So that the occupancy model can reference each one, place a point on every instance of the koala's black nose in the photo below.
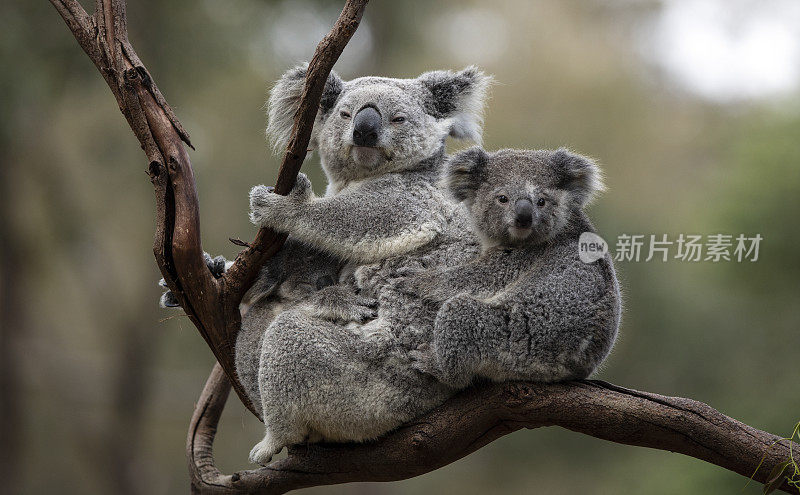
(524, 213)
(366, 125)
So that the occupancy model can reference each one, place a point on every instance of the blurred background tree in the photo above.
(691, 106)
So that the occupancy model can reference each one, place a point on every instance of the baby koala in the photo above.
(527, 308)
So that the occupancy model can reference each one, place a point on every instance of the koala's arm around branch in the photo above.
(381, 218)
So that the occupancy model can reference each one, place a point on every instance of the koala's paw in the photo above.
(409, 271)
(264, 450)
(363, 309)
(217, 265)
(265, 205)
(267, 208)
(340, 305)
(167, 299)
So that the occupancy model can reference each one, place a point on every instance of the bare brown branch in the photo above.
(211, 304)
(483, 414)
(241, 275)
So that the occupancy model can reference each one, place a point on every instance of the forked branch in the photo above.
(211, 304)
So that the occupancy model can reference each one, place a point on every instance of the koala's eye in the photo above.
(502, 198)
(541, 202)
(344, 114)
(398, 120)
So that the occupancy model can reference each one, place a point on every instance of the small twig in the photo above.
(239, 242)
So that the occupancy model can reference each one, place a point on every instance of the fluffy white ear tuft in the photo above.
(459, 97)
(284, 100)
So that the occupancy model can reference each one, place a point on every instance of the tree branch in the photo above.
(482, 414)
(211, 304)
(241, 275)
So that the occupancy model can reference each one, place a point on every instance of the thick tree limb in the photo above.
(211, 304)
(483, 414)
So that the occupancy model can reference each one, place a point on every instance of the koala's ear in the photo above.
(579, 175)
(464, 173)
(460, 97)
(284, 100)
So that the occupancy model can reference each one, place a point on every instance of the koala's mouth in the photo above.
(519, 233)
(370, 154)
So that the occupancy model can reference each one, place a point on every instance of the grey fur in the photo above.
(527, 308)
(321, 377)
(295, 274)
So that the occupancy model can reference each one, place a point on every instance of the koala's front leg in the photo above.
(370, 222)
(277, 211)
(466, 332)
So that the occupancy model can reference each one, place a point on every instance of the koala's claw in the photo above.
(363, 310)
(168, 300)
(216, 265)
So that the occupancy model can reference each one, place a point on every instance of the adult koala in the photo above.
(381, 145)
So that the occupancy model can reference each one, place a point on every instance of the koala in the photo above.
(381, 146)
(381, 143)
(527, 308)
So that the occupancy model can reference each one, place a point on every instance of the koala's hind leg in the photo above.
(276, 436)
(467, 333)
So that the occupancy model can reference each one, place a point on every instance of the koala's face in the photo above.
(519, 197)
(305, 274)
(374, 125)
(378, 126)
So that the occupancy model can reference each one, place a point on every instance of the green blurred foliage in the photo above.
(107, 380)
